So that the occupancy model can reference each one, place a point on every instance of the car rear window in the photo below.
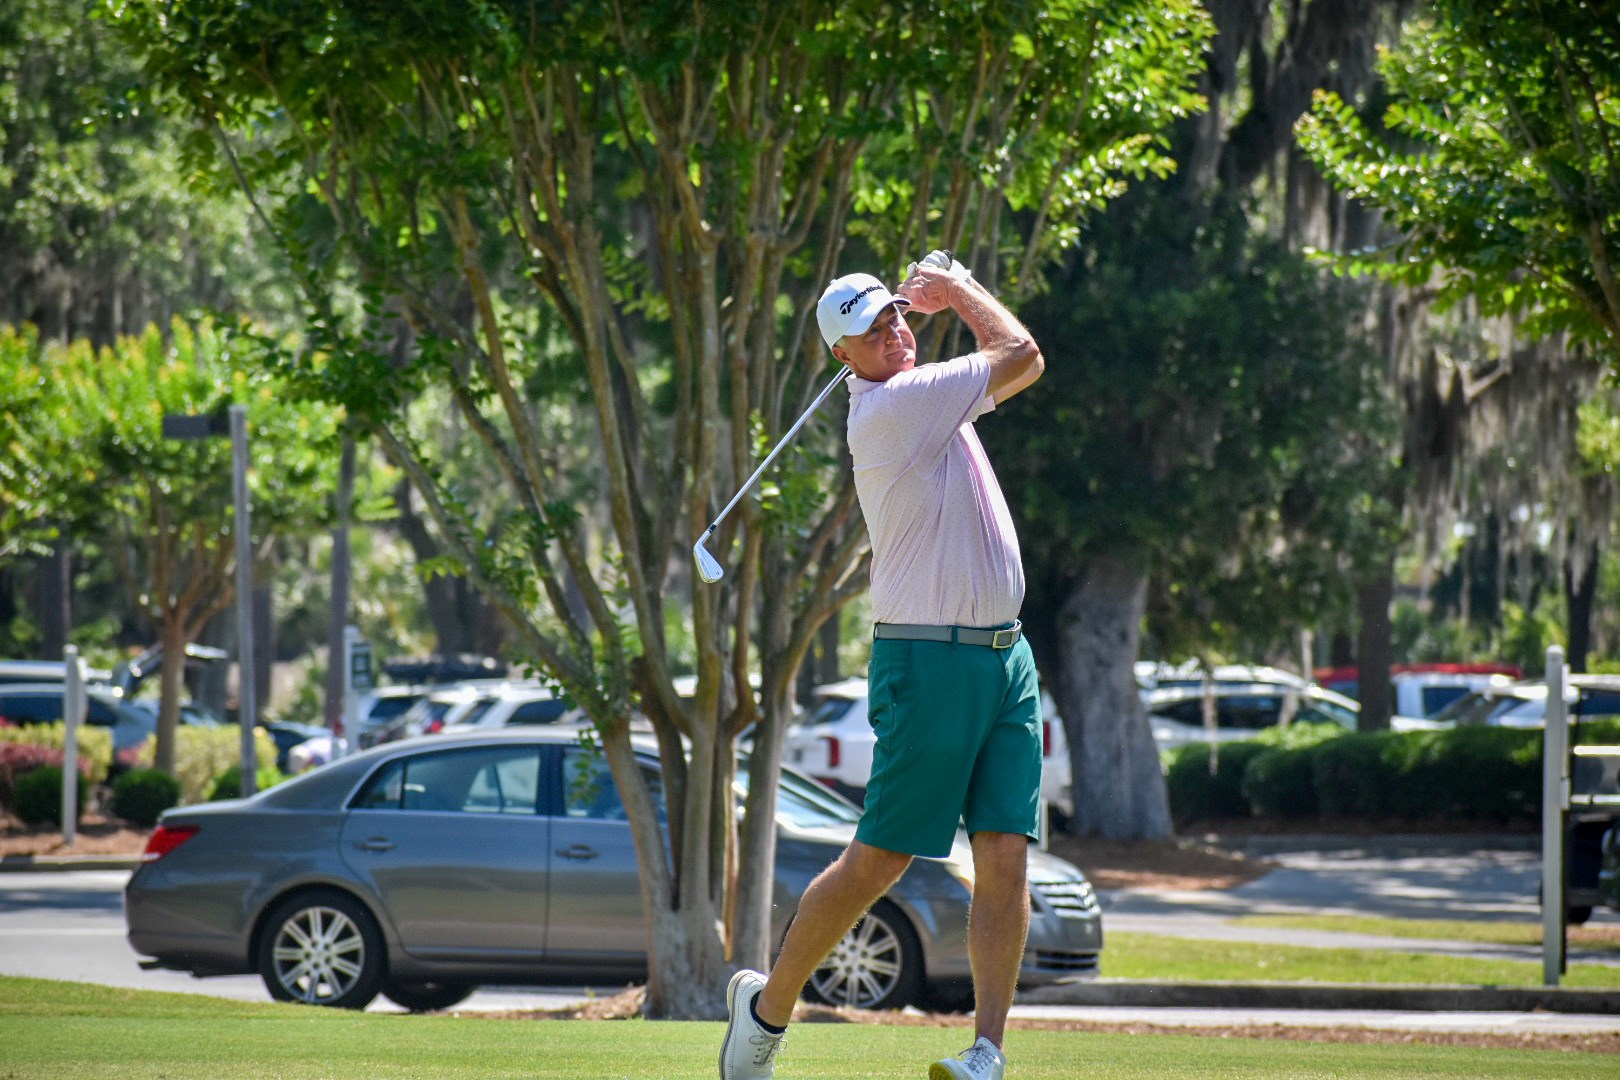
(538, 712)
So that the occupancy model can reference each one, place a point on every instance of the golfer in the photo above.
(952, 691)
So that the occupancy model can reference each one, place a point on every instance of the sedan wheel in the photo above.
(877, 965)
(321, 948)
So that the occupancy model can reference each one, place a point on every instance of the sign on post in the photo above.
(358, 678)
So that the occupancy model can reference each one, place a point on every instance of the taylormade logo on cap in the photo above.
(850, 304)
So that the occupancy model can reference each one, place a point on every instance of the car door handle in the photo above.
(577, 851)
(376, 843)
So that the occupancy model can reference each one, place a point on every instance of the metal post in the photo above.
(244, 599)
(74, 704)
(1554, 801)
(350, 743)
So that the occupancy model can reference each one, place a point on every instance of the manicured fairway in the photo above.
(70, 1030)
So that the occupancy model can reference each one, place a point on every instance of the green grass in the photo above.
(1494, 933)
(54, 1029)
(1155, 956)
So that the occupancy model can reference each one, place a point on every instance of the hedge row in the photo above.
(1479, 774)
(207, 763)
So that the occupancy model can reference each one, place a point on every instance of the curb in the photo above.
(57, 863)
(1356, 996)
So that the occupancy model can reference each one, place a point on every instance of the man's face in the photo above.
(885, 350)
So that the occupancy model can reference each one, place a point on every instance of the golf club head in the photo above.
(708, 568)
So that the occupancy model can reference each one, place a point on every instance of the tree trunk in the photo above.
(1580, 590)
(1118, 786)
(456, 609)
(53, 600)
(1374, 649)
(171, 678)
(339, 617)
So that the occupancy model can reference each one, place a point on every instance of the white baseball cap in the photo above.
(850, 304)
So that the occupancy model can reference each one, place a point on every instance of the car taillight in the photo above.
(834, 753)
(165, 838)
(1046, 738)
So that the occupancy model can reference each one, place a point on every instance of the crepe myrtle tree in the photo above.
(603, 228)
(91, 453)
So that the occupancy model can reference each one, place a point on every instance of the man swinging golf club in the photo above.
(952, 692)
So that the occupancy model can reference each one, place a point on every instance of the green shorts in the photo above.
(958, 741)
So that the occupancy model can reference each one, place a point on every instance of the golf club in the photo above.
(709, 568)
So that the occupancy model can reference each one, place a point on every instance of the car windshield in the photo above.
(1475, 708)
(1319, 709)
(829, 710)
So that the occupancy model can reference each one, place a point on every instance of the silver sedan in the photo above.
(423, 869)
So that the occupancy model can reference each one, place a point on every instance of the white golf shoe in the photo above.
(981, 1061)
(749, 1049)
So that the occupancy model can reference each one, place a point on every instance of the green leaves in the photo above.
(1497, 160)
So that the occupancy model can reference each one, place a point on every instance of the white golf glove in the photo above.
(939, 257)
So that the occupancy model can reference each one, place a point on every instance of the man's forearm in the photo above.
(1015, 360)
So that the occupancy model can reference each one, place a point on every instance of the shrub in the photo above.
(95, 745)
(1352, 777)
(1475, 774)
(201, 754)
(139, 796)
(1195, 793)
(39, 796)
(228, 784)
(16, 759)
(1280, 783)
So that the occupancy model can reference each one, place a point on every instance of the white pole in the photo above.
(244, 599)
(1554, 799)
(350, 743)
(73, 710)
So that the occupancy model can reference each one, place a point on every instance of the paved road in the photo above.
(70, 926)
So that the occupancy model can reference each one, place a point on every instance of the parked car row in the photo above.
(424, 868)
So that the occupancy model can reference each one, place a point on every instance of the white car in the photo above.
(834, 745)
(1176, 713)
(512, 705)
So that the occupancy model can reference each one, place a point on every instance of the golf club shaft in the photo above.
(792, 431)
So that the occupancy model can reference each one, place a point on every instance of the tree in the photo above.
(1499, 162)
(606, 226)
(92, 445)
(1496, 168)
(1163, 470)
(102, 230)
(1198, 461)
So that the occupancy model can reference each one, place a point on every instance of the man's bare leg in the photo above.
(833, 903)
(997, 926)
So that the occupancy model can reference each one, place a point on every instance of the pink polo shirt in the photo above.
(944, 550)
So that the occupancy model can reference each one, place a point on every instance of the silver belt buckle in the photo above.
(1012, 636)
